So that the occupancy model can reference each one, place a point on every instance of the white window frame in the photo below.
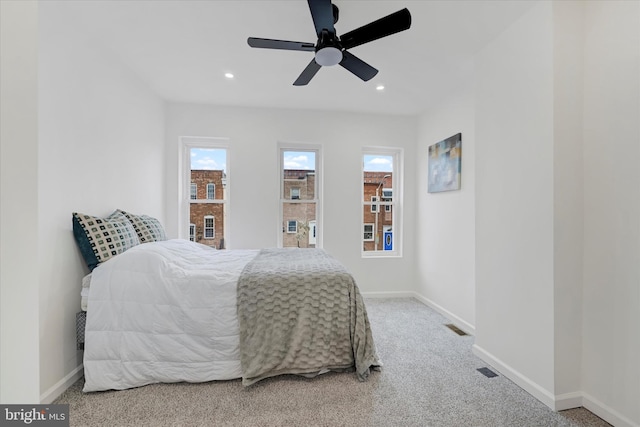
(192, 232)
(193, 191)
(295, 223)
(394, 204)
(374, 204)
(294, 196)
(186, 143)
(297, 146)
(212, 228)
(209, 185)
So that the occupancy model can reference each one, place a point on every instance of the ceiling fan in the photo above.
(331, 49)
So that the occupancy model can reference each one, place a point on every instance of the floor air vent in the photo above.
(487, 372)
(455, 329)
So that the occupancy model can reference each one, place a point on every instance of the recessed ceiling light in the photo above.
(380, 87)
(228, 75)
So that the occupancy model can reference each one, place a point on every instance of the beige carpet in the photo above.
(429, 379)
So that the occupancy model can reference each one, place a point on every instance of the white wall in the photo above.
(557, 243)
(445, 222)
(19, 255)
(611, 337)
(100, 147)
(254, 134)
(514, 202)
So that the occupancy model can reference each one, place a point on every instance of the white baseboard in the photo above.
(58, 388)
(396, 294)
(460, 323)
(525, 383)
(605, 412)
(568, 401)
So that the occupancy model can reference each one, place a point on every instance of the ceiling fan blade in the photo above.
(322, 14)
(280, 44)
(357, 66)
(390, 24)
(308, 73)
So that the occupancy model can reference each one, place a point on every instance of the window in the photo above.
(381, 201)
(209, 227)
(387, 196)
(204, 190)
(300, 196)
(368, 232)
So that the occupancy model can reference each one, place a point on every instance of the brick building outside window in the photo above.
(206, 215)
(378, 216)
(299, 216)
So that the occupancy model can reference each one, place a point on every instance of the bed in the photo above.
(174, 310)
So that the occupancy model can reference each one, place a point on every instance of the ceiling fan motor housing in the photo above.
(328, 49)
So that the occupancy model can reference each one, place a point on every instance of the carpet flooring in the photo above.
(429, 378)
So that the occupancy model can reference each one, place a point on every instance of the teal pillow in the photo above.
(100, 239)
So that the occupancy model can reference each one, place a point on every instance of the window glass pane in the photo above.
(378, 226)
(377, 212)
(299, 227)
(299, 197)
(299, 177)
(208, 223)
(209, 166)
(208, 210)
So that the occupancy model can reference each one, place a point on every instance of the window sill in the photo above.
(380, 254)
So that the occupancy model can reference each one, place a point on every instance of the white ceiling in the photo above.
(183, 48)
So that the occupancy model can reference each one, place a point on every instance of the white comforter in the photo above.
(163, 312)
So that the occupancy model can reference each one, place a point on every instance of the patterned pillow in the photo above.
(100, 239)
(148, 228)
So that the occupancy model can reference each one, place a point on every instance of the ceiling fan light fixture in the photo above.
(328, 56)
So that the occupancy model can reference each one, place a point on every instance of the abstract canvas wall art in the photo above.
(445, 164)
